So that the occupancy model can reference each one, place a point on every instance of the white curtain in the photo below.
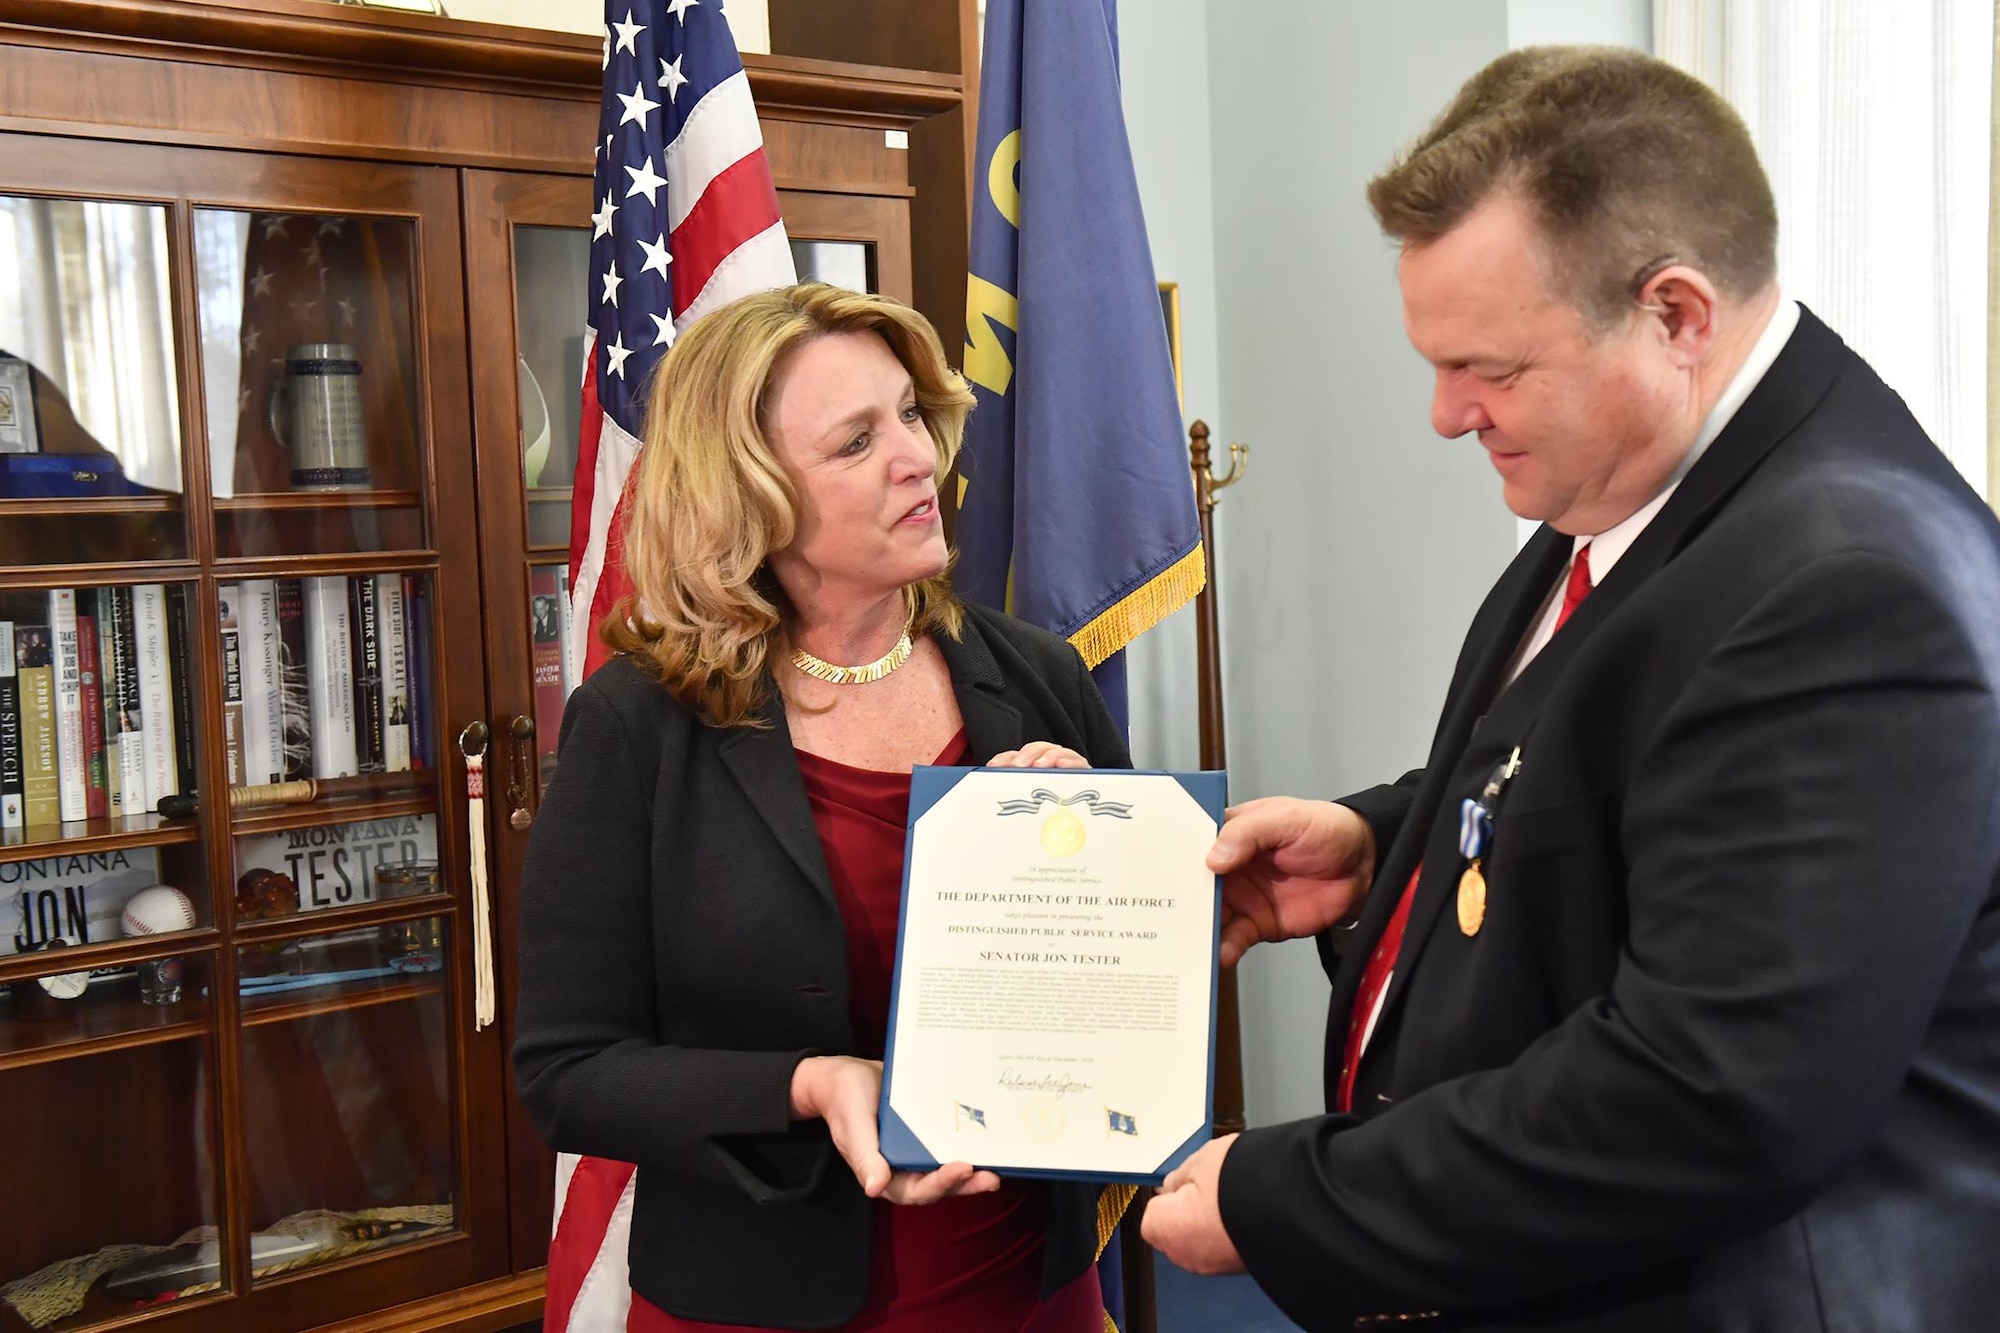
(1874, 121)
(83, 297)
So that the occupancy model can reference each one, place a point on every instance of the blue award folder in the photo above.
(1053, 1009)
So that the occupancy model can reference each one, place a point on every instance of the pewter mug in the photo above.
(316, 414)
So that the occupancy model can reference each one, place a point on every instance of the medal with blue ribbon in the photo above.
(1475, 835)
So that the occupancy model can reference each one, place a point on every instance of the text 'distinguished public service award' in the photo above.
(1054, 1003)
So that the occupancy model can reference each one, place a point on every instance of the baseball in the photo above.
(159, 910)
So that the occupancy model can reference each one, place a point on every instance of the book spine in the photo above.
(229, 604)
(108, 687)
(13, 806)
(417, 640)
(39, 782)
(263, 690)
(90, 673)
(180, 684)
(295, 698)
(72, 790)
(156, 692)
(546, 656)
(570, 663)
(330, 677)
(367, 673)
(131, 710)
(394, 647)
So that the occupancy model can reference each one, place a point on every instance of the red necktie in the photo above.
(1382, 963)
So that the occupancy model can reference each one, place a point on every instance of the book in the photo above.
(180, 686)
(329, 677)
(90, 675)
(13, 810)
(107, 687)
(229, 611)
(546, 655)
(72, 791)
(367, 647)
(263, 686)
(295, 705)
(130, 704)
(571, 663)
(417, 648)
(394, 649)
(159, 772)
(42, 802)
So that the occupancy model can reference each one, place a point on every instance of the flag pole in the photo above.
(1208, 690)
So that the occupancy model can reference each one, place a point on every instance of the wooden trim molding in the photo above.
(314, 36)
(488, 1307)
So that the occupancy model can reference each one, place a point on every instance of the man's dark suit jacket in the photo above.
(681, 952)
(1726, 1053)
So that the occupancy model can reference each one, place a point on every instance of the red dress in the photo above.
(970, 1265)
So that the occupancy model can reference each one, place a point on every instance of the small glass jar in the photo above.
(416, 946)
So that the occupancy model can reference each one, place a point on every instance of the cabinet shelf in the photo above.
(346, 810)
(86, 836)
(88, 504)
(289, 1006)
(287, 500)
(98, 1023)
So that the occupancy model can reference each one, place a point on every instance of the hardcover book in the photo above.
(330, 676)
(90, 675)
(263, 686)
(180, 686)
(13, 810)
(395, 701)
(367, 673)
(40, 783)
(72, 790)
(160, 768)
(294, 696)
(132, 739)
(229, 608)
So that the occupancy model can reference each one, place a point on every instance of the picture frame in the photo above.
(1170, 311)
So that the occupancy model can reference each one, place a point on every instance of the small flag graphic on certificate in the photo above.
(970, 1115)
(1120, 1123)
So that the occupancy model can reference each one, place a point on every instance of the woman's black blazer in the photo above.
(681, 952)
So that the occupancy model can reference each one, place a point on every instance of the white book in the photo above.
(131, 714)
(156, 694)
(72, 787)
(393, 645)
(263, 687)
(330, 677)
(13, 800)
(570, 664)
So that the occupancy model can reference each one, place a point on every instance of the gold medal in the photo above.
(1471, 900)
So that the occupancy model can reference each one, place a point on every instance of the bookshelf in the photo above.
(291, 298)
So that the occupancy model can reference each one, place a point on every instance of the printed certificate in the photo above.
(1054, 1003)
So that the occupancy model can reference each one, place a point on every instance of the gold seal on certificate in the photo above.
(1054, 1004)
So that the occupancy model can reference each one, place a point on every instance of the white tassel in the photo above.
(483, 1005)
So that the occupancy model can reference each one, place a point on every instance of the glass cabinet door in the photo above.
(528, 255)
(238, 1056)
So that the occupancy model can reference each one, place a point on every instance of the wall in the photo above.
(748, 18)
(1357, 548)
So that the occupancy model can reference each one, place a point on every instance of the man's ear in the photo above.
(1682, 305)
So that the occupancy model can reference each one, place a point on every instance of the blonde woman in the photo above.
(710, 902)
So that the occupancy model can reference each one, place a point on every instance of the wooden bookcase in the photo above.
(432, 179)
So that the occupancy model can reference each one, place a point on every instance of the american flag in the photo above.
(686, 219)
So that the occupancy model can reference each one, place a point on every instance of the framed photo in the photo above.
(1170, 310)
(20, 427)
(407, 6)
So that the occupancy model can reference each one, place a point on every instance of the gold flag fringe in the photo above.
(1146, 606)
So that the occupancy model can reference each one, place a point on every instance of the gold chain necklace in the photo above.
(821, 669)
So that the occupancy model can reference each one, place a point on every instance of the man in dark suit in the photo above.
(1675, 1003)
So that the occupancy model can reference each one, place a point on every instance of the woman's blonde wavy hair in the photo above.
(709, 502)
